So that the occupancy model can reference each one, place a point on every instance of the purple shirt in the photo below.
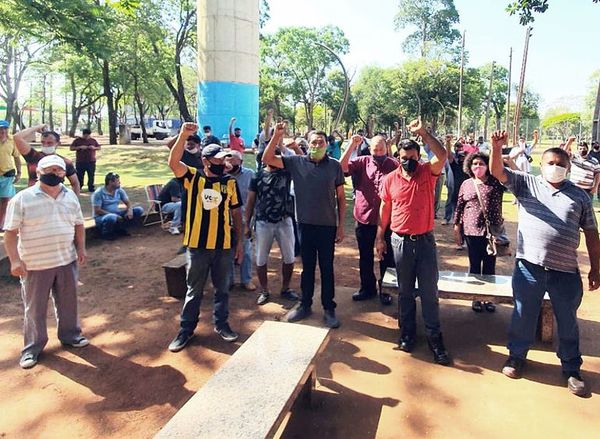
(367, 176)
(468, 208)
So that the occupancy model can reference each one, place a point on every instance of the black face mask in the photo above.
(409, 165)
(234, 169)
(379, 158)
(216, 169)
(596, 148)
(51, 179)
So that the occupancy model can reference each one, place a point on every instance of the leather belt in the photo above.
(413, 237)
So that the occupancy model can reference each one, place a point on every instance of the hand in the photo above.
(499, 139)
(232, 120)
(41, 128)
(356, 140)
(17, 178)
(81, 257)
(594, 280)
(572, 138)
(18, 268)
(536, 134)
(380, 248)
(238, 256)
(129, 214)
(270, 112)
(416, 127)
(280, 127)
(457, 234)
(248, 233)
(339, 236)
(189, 127)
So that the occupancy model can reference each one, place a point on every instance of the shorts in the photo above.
(283, 232)
(7, 187)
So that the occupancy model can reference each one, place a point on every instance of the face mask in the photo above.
(48, 149)
(234, 169)
(379, 158)
(193, 150)
(51, 179)
(316, 154)
(409, 165)
(216, 169)
(238, 134)
(554, 173)
(596, 148)
(479, 171)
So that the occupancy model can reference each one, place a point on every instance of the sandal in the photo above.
(477, 306)
(490, 306)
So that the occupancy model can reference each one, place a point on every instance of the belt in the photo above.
(413, 237)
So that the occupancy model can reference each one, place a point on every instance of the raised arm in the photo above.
(499, 139)
(179, 168)
(231, 122)
(268, 121)
(355, 140)
(570, 142)
(536, 139)
(440, 155)
(269, 157)
(20, 138)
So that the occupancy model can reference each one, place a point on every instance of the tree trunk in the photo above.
(88, 125)
(181, 99)
(51, 106)
(110, 103)
(75, 112)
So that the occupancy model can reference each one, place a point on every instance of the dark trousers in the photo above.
(416, 260)
(317, 242)
(479, 260)
(90, 168)
(365, 237)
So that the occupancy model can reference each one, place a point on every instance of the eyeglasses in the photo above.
(112, 176)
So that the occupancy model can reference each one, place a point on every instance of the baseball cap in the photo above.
(214, 151)
(234, 153)
(4, 124)
(52, 160)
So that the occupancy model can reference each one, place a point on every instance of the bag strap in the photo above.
(487, 222)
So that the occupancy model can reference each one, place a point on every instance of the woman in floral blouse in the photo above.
(469, 218)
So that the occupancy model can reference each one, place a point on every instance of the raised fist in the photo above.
(189, 127)
(356, 139)
(499, 139)
(281, 126)
(416, 126)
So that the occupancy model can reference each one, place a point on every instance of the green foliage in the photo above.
(526, 8)
(562, 125)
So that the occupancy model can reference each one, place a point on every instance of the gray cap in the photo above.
(214, 151)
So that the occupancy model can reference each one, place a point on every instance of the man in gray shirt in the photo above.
(551, 212)
(319, 189)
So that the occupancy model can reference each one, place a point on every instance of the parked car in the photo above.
(158, 129)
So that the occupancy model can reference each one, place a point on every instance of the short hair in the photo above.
(86, 131)
(111, 176)
(51, 133)
(320, 133)
(237, 129)
(407, 145)
(206, 128)
(583, 144)
(360, 130)
(564, 156)
(330, 139)
(471, 158)
(195, 138)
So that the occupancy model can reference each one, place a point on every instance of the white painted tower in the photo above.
(228, 57)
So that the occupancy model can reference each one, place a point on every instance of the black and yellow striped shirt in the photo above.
(208, 215)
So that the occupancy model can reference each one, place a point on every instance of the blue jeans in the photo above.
(529, 283)
(245, 266)
(199, 263)
(417, 260)
(175, 209)
(112, 222)
(317, 242)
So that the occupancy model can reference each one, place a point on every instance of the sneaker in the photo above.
(298, 313)
(263, 298)
(575, 383)
(361, 295)
(226, 333)
(180, 341)
(79, 342)
(290, 295)
(174, 231)
(28, 360)
(249, 286)
(330, 320)
(513, 367)
(407, 342)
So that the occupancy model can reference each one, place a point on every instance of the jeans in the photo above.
(450, 202)
(529, 283)
(112, 222)
(317, 242)
(82, 168)
(199, 263)
(438, 193)
(282, 232)
(175, 209)
(365, 237)
(479, 260)
(417, 260)
(245, 266)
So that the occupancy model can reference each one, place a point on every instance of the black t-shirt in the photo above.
(459, 175)
(273, 199)
(209, 140)
(170, 190)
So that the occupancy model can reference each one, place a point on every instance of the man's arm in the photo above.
(250, 202)
(236, 214)
(179, 168)
(268, 121)
(385, 214)
(345, 159)
(75, 184)
(80, 243)
(341, 204)
(593, 246)
(269, 156)
(536, 140)
(570, 142)
(75, 147)
(17, 266)
(231, 122)
(499, 139)
(440, 154)
(20, 138)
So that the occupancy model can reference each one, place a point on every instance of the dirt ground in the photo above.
(126, 383)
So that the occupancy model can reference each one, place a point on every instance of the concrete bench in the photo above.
(252, 394)
(465, 286)
(175, 276)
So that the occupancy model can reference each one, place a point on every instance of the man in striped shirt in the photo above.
(585, 170)
(213, 201)
(551, 212)
(45, 242)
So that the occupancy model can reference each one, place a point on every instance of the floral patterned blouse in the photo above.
(468, 208)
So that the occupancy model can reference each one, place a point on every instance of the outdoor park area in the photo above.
(140, 76)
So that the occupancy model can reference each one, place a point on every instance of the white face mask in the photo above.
(193, 150)
(554, 173)
(48, 149)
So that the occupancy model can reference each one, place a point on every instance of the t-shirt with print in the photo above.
(33, 157)
(274, 201)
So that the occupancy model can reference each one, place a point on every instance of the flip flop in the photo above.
(489, 306)
(477, 306)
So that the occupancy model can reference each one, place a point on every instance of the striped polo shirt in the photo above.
(583, 171)
(209, 204)
(549, 220)
(46, 226)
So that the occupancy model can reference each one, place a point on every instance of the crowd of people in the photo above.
(230, 217)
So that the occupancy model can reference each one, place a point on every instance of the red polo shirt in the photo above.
(411, 199)
(236, 143)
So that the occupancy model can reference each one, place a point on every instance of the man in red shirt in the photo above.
(85, 157)
(407, 196)
(236, 141)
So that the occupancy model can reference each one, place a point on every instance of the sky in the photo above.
(563, 50)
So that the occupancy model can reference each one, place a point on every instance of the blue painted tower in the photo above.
(228, 65)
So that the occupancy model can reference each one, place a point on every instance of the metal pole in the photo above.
(460, 84)
(517, 118)
(509, 87)
(489, 99)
